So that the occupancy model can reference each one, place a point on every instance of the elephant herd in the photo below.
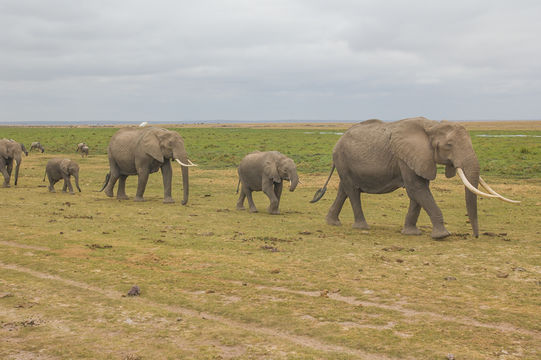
(372, 157)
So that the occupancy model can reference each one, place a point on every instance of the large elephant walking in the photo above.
(10, 150)
(376, 158)
(141, 151)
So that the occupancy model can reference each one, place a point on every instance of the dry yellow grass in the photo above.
(221, 283)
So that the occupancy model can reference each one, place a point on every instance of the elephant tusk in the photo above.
(191, 163)
(470, 187)
(182, 164)
(300, 182)
(490, 190)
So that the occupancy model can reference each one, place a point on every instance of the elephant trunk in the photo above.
(76, 177)
(471, 171)
(294, 178)
(181, 156)
(185, 184)
(17, 171)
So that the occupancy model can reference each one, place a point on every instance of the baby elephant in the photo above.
(265, 171)
(57, 169)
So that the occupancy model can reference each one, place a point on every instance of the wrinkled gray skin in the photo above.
(10, 150)
(141, 151)
(376, 158)
(265, 171)
(36, 145)
(58, 169)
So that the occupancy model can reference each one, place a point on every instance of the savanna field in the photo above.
(218, 283)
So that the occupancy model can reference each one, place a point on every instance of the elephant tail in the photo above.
(107, 177)
(319, 194)
(238, 184)
(45, 174)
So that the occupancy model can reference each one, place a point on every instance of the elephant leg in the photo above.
(5, 173)
(278, 194)
(419, 191)
(336, 207)
(141, 184)
(278, 190)
(410, 225)
(121, 191)
(248, 193)
(242, 196)
(67, 185)
(167, 176)
(10, 167)
(51, 184)
(268, 189)
(354, 196)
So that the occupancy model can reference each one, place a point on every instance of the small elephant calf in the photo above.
(265, 171)
(57, 169)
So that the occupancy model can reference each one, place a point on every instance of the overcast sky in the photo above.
(175, 60)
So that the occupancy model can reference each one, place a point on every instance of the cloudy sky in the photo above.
(177, 60)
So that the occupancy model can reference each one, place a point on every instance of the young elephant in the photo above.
(57, 169)
(265, 171)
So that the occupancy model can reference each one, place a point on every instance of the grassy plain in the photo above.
(217, 283)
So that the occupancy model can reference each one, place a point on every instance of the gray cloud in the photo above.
(272, 59)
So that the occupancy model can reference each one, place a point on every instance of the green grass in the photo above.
(213, 287)
(223, 148)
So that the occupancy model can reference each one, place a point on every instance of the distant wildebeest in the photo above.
(83, 149)
(36, 145)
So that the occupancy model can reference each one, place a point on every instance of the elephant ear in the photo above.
(64, 166)
(411, 144)
(150, 144)
(270, 171)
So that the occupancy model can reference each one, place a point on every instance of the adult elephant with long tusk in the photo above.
(376, 158)
(141, 151)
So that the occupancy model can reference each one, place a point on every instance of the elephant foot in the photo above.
(333, 221)
(6, 185)
(122, 197)
(109, 193)
(440, 234)
(240, 207)
(52, 190)
(411, 230)
(274, 212)
(361, 225)
(72, 193)
(253, 210)
(138, 199)
(168, 200)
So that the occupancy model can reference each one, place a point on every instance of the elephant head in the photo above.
(68, 168)
(11, 150)
(422, 144)
(163, 144)
(282, 168)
